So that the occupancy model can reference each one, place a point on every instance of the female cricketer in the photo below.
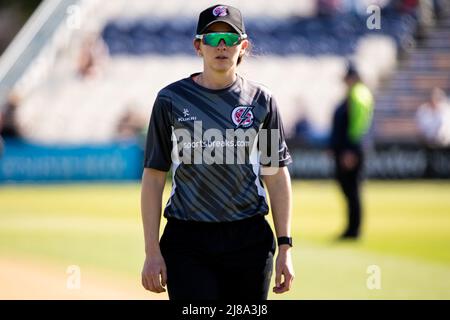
(217, 243)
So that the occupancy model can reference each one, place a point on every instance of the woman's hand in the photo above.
(154, 273)
(285, 268)
(349, 160)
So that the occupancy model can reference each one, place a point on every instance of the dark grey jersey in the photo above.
(211, 139)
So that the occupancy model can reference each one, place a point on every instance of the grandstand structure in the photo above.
(299, 55)
(425, 67)
(82, 76)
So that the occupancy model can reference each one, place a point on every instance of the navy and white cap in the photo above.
(228, 14)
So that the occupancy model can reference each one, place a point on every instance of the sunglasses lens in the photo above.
(213, 39)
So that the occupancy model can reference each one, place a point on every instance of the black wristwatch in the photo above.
(284, 240)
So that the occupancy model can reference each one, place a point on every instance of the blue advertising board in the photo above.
(23, 161)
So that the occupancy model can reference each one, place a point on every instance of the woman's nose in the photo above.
(222, 44)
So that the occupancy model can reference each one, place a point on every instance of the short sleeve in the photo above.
(158, 145)
(273, 122)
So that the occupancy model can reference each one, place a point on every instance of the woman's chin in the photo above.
(222, 68)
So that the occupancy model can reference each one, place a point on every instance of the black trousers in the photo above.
(218, 261)
(350, 184)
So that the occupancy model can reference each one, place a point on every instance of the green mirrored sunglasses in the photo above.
(213, 39)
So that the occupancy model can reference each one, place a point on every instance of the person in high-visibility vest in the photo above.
(351, 121)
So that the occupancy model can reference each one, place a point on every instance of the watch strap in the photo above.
(284, 240)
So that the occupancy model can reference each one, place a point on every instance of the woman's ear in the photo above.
(244, 46)
(197, 47)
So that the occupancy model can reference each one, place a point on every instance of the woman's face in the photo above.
(220, 58)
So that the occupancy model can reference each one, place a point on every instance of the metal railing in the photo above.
(29, 42)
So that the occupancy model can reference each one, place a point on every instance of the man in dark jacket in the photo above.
(351, 122)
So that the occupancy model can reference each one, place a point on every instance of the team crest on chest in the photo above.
(242, 116)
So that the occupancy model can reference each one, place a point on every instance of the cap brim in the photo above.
(221, 20)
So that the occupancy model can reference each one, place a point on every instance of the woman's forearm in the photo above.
(151, 201)
(280, 193)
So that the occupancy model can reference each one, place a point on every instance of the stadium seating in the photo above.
(337, 35)
(427, 66)
(299, 56)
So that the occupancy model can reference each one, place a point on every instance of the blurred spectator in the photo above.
(328, 7)
(440, 6)
(405, 6)
(302, 130)
(92, 54)
(306, 133)
(351, 121)
(131, 124)
(426, 13)
(433, 119)
(8, 124)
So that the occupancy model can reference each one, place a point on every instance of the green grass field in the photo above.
(406, 233)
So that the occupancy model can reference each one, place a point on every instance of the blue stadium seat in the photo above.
(336, 35)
